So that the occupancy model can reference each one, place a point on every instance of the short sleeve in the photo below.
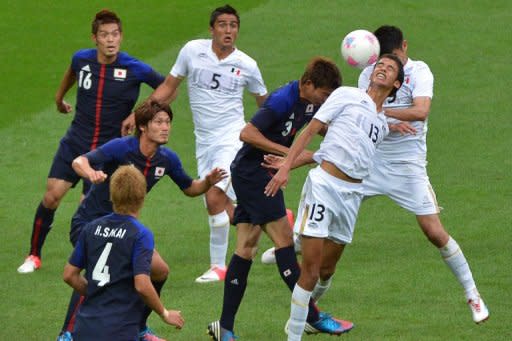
(423, 82)
(143, 252)
(78, 256)
(176, 171)
(180, 67)
(255, 84)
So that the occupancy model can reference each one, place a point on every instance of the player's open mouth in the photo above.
(380, 75)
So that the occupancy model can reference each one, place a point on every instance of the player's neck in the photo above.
(378, 95)
(147, 148)
(222, 52)
(103, 59)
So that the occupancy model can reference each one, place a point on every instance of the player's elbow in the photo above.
(77, 162)
(142, 283)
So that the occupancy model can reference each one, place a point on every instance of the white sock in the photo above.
(219, 237)
(320, 288)
(298, 313)
(454, 258)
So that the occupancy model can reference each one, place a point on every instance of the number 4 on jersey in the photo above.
(100, 272)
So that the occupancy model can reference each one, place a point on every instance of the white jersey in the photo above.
(418, 82)
(215, 89)
(354, 130)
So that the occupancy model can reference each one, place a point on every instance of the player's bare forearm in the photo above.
(272, 161)
(74, 279)
(201, 186)
(68, 80)
(417, 112)
(147, 292)
(82, 167)
(252, 135)
(167, 91)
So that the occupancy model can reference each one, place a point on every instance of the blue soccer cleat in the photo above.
(328, 325)
(65, 336)
(148, 335)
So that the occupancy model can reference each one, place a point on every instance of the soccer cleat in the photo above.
(218, 333)
(31, 264)
(65, 336)
(148, 335)
(328, 325)
(213, 274)
(269, 256)
(479, 310)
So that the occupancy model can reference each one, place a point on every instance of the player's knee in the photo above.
(215, 200)
(52, 199)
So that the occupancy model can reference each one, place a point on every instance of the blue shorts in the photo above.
(253, 206)
(61, 166)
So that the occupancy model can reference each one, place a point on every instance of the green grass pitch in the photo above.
(391, 282)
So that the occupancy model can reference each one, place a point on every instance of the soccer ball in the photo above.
(360, 48)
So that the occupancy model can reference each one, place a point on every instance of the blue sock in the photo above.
(234, 289)
(290, 271)
(41, 227)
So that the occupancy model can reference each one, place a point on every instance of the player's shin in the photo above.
(298, 313)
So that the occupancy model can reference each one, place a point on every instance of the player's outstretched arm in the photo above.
(199, 187)
(280, 179)
(74, 279)
(417, 112)
(149, 295)
(167, 91)
(272, 161)
(66, 83)
(83, 168)
(251, 134)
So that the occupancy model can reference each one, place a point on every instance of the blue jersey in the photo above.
(279, 119)
(125, 151)
(112, 250)
(106, 95)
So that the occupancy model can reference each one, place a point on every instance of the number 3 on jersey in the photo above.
(100, 272)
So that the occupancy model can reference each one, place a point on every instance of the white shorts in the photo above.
(219, 156)
(328, 207)
(406, 183)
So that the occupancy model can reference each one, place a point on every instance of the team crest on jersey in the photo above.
(236, 71)
(159, 171)
(310, 108)
(119, 73)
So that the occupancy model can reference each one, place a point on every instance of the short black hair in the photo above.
(390, 38)
(103, 17)
(226, 9)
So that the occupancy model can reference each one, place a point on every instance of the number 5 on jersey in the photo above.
(100, 272)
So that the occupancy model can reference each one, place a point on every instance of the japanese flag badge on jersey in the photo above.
(159, 171)
(120, 73)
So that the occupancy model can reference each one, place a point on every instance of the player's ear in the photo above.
(397, 84)
(404, 46)
(93, 38)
